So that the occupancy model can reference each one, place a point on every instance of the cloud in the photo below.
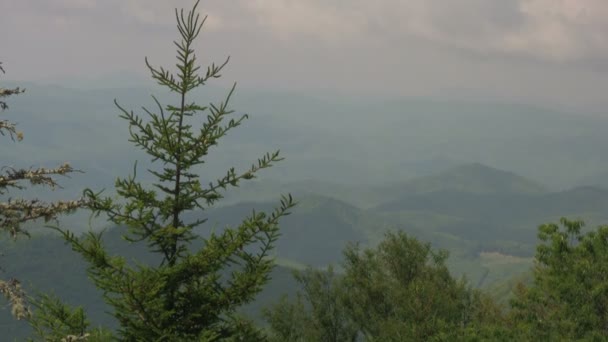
(148, 13)
(321, 19)
(561, 29)
(338, 35)
(75, 4)
(556, 30)
(160, 13)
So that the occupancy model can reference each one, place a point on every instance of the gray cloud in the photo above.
(552, 51)
(555, 30)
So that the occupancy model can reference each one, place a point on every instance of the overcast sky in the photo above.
(553, 52)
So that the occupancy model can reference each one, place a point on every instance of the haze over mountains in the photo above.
(419, 162)
(344, 140)
(487, 173)
(471, 177)
(485, 217)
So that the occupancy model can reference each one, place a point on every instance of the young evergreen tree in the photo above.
(15, 212)
(193, 292)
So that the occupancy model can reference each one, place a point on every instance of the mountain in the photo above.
(472, 178)
(263, 190)
(599, 179)
(489, 228)
(331, 140)
(315, 233)
(505, 207)
(497, 209)
(320, 227)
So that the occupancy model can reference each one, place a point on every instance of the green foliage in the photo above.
(56, 321)
(194, 291)
(403, 290)
(399, 291)
(288, 320)
(569, 296)
(317, 314)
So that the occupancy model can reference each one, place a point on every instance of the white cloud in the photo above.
(562, 29)
(322, 19)
(558, 30)
(78, 3)
(161, 12)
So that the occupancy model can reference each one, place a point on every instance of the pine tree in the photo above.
(15, 212)
(193, 293)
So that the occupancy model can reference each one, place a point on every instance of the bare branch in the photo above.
(38, 176)
(13, 292)
(15, 212)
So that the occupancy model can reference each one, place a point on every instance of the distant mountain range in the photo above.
(339, 140)
(485, 217)
(472, 210)
(497, 209)
(358, 168)
(487, 204)
(471, 178)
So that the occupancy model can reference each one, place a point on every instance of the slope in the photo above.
(499, 210)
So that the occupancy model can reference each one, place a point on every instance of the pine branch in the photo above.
(13, 292)
(39, 176)
(15, 212)
(211, 194)
(7, 92)
(10, 128)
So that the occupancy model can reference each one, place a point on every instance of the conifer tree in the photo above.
(15, 212)
(193, 293)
